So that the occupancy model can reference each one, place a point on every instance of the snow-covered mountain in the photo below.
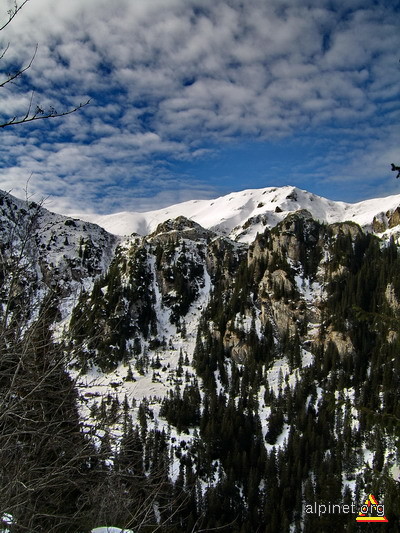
(245, 347)
(241, 215)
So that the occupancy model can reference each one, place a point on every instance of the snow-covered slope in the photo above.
(62, 251)
(241, 215)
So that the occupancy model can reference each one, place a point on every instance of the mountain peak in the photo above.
(179, 226)
(241, 215)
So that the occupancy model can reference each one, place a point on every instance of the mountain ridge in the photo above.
(241, 215)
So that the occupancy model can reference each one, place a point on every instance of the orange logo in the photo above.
(371, 511)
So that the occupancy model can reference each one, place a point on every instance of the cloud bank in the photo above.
(175, 81)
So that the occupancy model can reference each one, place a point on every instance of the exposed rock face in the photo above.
(391, 297)
(394, 218)
(379, 224)
(274, 305)
(234, 343)
(388, 220)
(296, 228)
(346, 228)
(181, 227)
(341, 341)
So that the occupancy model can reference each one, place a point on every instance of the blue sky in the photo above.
(198, 98)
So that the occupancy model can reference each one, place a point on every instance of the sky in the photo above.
(194, 99)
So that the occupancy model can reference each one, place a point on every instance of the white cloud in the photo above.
(167, 79)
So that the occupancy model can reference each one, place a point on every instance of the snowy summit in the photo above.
(241, 215)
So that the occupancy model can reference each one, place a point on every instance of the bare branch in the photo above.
(39, 114)
(18, 73)
(3, 53)
(12, 13)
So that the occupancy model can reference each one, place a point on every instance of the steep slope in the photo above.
(252, 378)
(58, 253)
(255, 360)
(241, 215)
